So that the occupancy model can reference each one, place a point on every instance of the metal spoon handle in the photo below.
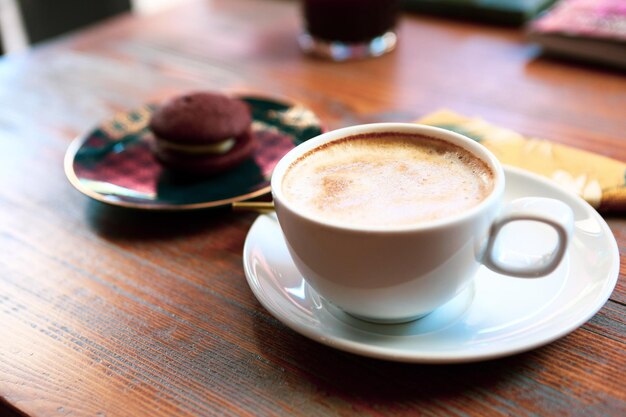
(258, 206)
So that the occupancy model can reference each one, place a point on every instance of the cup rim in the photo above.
(455, 138)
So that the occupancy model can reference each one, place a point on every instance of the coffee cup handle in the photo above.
(552, 212)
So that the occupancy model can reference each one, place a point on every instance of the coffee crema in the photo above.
(386, 179)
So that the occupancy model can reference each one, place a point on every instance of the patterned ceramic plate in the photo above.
(113, 163)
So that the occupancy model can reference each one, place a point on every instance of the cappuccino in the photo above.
(386, 179)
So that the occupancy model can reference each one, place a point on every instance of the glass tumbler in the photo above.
(348, 29)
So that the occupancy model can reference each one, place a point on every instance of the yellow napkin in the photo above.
(597, 179)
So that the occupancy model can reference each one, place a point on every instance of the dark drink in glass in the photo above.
(348, 29)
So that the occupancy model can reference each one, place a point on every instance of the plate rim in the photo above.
(435, 357)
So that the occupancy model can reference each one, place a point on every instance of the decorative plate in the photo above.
(113, 162)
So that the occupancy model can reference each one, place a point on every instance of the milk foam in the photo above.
(387, 179)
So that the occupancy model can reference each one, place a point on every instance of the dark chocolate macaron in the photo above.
(202, 133)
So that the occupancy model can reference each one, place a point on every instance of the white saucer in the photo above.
(495, 317)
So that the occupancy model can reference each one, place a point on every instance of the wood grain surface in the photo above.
(110, 312)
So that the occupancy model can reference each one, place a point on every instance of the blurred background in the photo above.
(25, 22)
(583, 30)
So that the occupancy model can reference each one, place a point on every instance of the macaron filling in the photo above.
(217, 148)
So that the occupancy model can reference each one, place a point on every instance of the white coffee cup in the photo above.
(399, 273)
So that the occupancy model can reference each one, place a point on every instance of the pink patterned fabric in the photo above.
(595, 18)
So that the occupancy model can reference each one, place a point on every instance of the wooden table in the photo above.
(108, 312)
